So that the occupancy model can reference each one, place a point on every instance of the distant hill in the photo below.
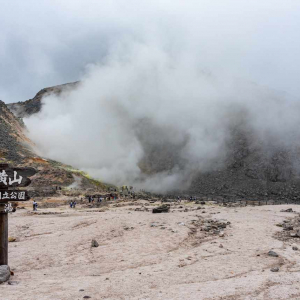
(32, 106)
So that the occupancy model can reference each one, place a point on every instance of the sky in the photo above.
(45, 43)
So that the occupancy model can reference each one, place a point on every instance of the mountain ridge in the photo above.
(32, 106)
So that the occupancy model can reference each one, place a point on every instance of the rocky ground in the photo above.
(124, 251)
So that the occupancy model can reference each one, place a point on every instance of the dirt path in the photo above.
(150, 256)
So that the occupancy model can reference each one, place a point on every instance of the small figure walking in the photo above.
(34, 206)
(74, 204)
(71, 204)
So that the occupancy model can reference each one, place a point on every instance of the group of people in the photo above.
(92, 199)
(191, 198)
(99, 199)
(73, 204)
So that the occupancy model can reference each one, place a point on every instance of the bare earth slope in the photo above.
(148, 256)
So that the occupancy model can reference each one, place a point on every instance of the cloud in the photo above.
(151, 120)
(45, 43)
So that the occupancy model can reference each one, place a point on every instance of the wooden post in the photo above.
(3, 226)
(3, 235)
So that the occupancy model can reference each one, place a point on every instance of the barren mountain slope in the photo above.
(250, 168)
(14, 145)
(252, 171)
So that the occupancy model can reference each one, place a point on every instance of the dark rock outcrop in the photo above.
(34, 105)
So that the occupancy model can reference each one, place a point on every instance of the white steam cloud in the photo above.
(160, 102)
(147, 105)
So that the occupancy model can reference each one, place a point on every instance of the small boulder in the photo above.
(295, 234)
(273, 254)
(295, 248)
(288, 227)
(4, 273)
(95, 243)
(206, 228)
(275, 269)
(161, 209)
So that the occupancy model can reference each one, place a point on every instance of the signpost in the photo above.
(10, 178)
(14, 195)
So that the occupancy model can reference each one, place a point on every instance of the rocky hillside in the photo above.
(14, 145)
(250, 169)
(17, 150)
